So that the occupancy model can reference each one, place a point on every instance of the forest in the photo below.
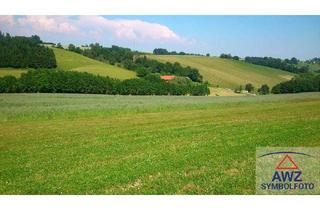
(25, 52)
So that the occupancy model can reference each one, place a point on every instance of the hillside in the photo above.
(72, 61)
(229, 73)
(67, 60)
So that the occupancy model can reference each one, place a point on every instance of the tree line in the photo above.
(25, 52)
(134, 61)
(229, 56)
(307, 82)
(314, 61)
(263, 90)
(289, 65)
(60, 81)
(162, 51)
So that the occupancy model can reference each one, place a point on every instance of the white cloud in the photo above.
(46, 23)
(95, 28)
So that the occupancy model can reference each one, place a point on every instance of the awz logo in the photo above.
(292, 174)
(287, 174)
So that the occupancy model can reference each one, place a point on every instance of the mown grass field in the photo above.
(97, 144)
(11, 72)
(67, 60)
(229, 73)
(72, 61)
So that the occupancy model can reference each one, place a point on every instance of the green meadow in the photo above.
(98, 144)
(11, 71)
(229, 73)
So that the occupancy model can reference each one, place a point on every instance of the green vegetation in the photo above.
(73, 61)
(264, 89)
(162, 51)
(290, 65)
(97, 144)
(229, 73)
(308, 82)
(229, 56)
(25, 52)
(60, 81)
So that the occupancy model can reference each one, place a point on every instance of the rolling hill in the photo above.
(72, 61)
(67, 60)
(228, 73)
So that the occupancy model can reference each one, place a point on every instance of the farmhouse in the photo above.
(167, 77)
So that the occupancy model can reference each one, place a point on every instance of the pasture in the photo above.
(229, 73)
(67, 60)
(98, 144)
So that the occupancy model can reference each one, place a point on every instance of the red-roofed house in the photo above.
(167, 77)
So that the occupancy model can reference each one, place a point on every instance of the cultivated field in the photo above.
(97, 144)
(229, 73)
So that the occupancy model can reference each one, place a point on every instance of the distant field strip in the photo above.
(97, 144)
(229, 73)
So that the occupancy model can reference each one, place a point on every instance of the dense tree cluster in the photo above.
(229, 56)
(142, 64)
(162, 51)
(112, 55)
(59, 81)
(289, 65)
(302, 83)
(25, 52)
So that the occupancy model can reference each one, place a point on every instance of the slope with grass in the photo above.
(72, 61)
(11, 72)
(229, 73)
(97, 144)
(67, 60)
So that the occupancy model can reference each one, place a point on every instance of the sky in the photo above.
(275, 36)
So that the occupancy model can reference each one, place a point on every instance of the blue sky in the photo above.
(276, 36)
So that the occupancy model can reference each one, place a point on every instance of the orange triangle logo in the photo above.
(287, 163)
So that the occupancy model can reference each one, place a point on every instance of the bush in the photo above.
(9, 84)
(264, 89)
(249, 87)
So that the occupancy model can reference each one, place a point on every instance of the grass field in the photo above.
(72, 61)
(11, 72)
(97, 144)
(229, 73)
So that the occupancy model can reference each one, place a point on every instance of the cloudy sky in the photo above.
(277, 36)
